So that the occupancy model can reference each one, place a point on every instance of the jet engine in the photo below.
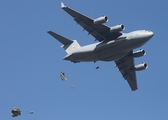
(141, 66)
(117, 28)
(139, 53)
(101, 20)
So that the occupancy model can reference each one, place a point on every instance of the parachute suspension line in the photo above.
(72, 86)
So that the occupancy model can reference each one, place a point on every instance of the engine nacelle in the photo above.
(141, 66)
(117, 28)
(101, 20)
(139, 53)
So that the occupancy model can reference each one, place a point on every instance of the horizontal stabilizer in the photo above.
(63, 40)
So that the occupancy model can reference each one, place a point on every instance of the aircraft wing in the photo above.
(126, 67)
(100, 32)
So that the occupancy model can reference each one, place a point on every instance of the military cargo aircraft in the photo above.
(112, 45)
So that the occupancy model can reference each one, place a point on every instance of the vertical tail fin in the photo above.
(68, 45)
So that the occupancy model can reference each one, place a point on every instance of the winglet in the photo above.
(62, 5)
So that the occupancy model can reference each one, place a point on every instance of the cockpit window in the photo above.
(147, 30)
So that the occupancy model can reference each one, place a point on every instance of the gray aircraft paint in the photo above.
(112, 45)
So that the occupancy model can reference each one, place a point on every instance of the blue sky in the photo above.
(31, 61)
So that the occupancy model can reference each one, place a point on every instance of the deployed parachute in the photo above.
(15, 112)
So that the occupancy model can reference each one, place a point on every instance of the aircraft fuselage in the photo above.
(111, 50)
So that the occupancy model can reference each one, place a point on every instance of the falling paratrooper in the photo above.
(64, 78)
(31, 112)
(16, 112)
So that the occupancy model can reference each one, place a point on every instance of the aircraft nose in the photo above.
(150, 33)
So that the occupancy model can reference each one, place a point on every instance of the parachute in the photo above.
(64, 78)
(15, 112)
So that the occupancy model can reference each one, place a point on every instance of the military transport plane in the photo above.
(112, 45)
